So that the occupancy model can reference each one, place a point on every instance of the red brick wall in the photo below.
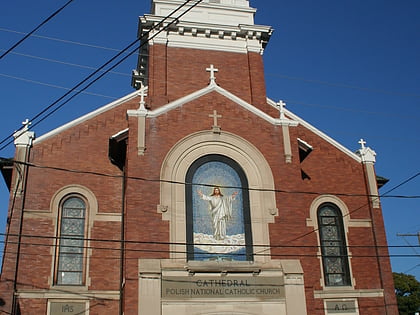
(85, 147)
(171, 77)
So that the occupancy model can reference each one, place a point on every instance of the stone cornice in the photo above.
(255, 31)
(259, 34)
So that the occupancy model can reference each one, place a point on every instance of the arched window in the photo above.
(71, 239)
(333, 246)
(218, 216)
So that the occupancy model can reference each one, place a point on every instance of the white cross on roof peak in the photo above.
(212, 71)
(26, 124)
(281, 106)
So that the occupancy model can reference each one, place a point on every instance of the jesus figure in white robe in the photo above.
(220, 209)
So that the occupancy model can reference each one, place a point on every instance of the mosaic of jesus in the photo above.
(218, 218)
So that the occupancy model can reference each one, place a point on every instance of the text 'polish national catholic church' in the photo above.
(195, 194)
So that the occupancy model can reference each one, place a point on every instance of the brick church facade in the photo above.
(194, 194)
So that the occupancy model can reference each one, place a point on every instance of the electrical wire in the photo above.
(341, 85)
(358, 208)
(385, 195)
(61, 40)
(55, 86)
(35, 29)
(288, 77)
(161, 26)
(155, 243)
(155, 249)
(66, 63)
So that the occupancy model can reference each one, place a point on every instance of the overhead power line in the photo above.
(78, 86)
(54, 86)
(212, 185)
(66, 63)
(61, 40)
(342, 85)
(152, 247)
(333, 84)
(362, 206)
(35, 29)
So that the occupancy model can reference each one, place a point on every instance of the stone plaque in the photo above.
(59, 308)
(341, 307)
(222, 287)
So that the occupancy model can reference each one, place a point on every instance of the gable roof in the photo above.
(87, 116)
(292, 120)
(212, 87)
(318, 132)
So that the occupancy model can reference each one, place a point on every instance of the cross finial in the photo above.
(212, 70)
(216, 128)
(362, 143)
(281, 106)
(26, 124)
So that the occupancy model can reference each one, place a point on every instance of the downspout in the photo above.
(122, 246)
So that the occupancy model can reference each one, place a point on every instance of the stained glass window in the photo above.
(71, 242)
(333, 246)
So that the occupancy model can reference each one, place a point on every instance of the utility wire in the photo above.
(61, 40)
(65, 63)
(361, 207)
(153, 248)
(226, 187)
(55, 86)
(35, 29)
(288, 77)
(341, 85)
(155, 243)
(157, 26)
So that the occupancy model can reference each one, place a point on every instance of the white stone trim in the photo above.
(215, 44)
(208, 89)
(92, 214)
(257, 170)
(152, 271)
(74, 300)
(68, 293)
(338, 301)
(348, 293)
(312, 221)
(86, 117)
(208, 12)
(226, 34)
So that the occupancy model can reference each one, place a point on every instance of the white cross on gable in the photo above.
(281, 106)
(212, 70)
(26, 124)
(362, 143)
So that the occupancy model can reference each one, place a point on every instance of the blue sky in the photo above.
(350, 68)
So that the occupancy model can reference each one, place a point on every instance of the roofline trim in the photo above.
(86, 117)
(318, 132)
(212, 87)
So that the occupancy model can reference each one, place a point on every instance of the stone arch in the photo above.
(256, 168)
